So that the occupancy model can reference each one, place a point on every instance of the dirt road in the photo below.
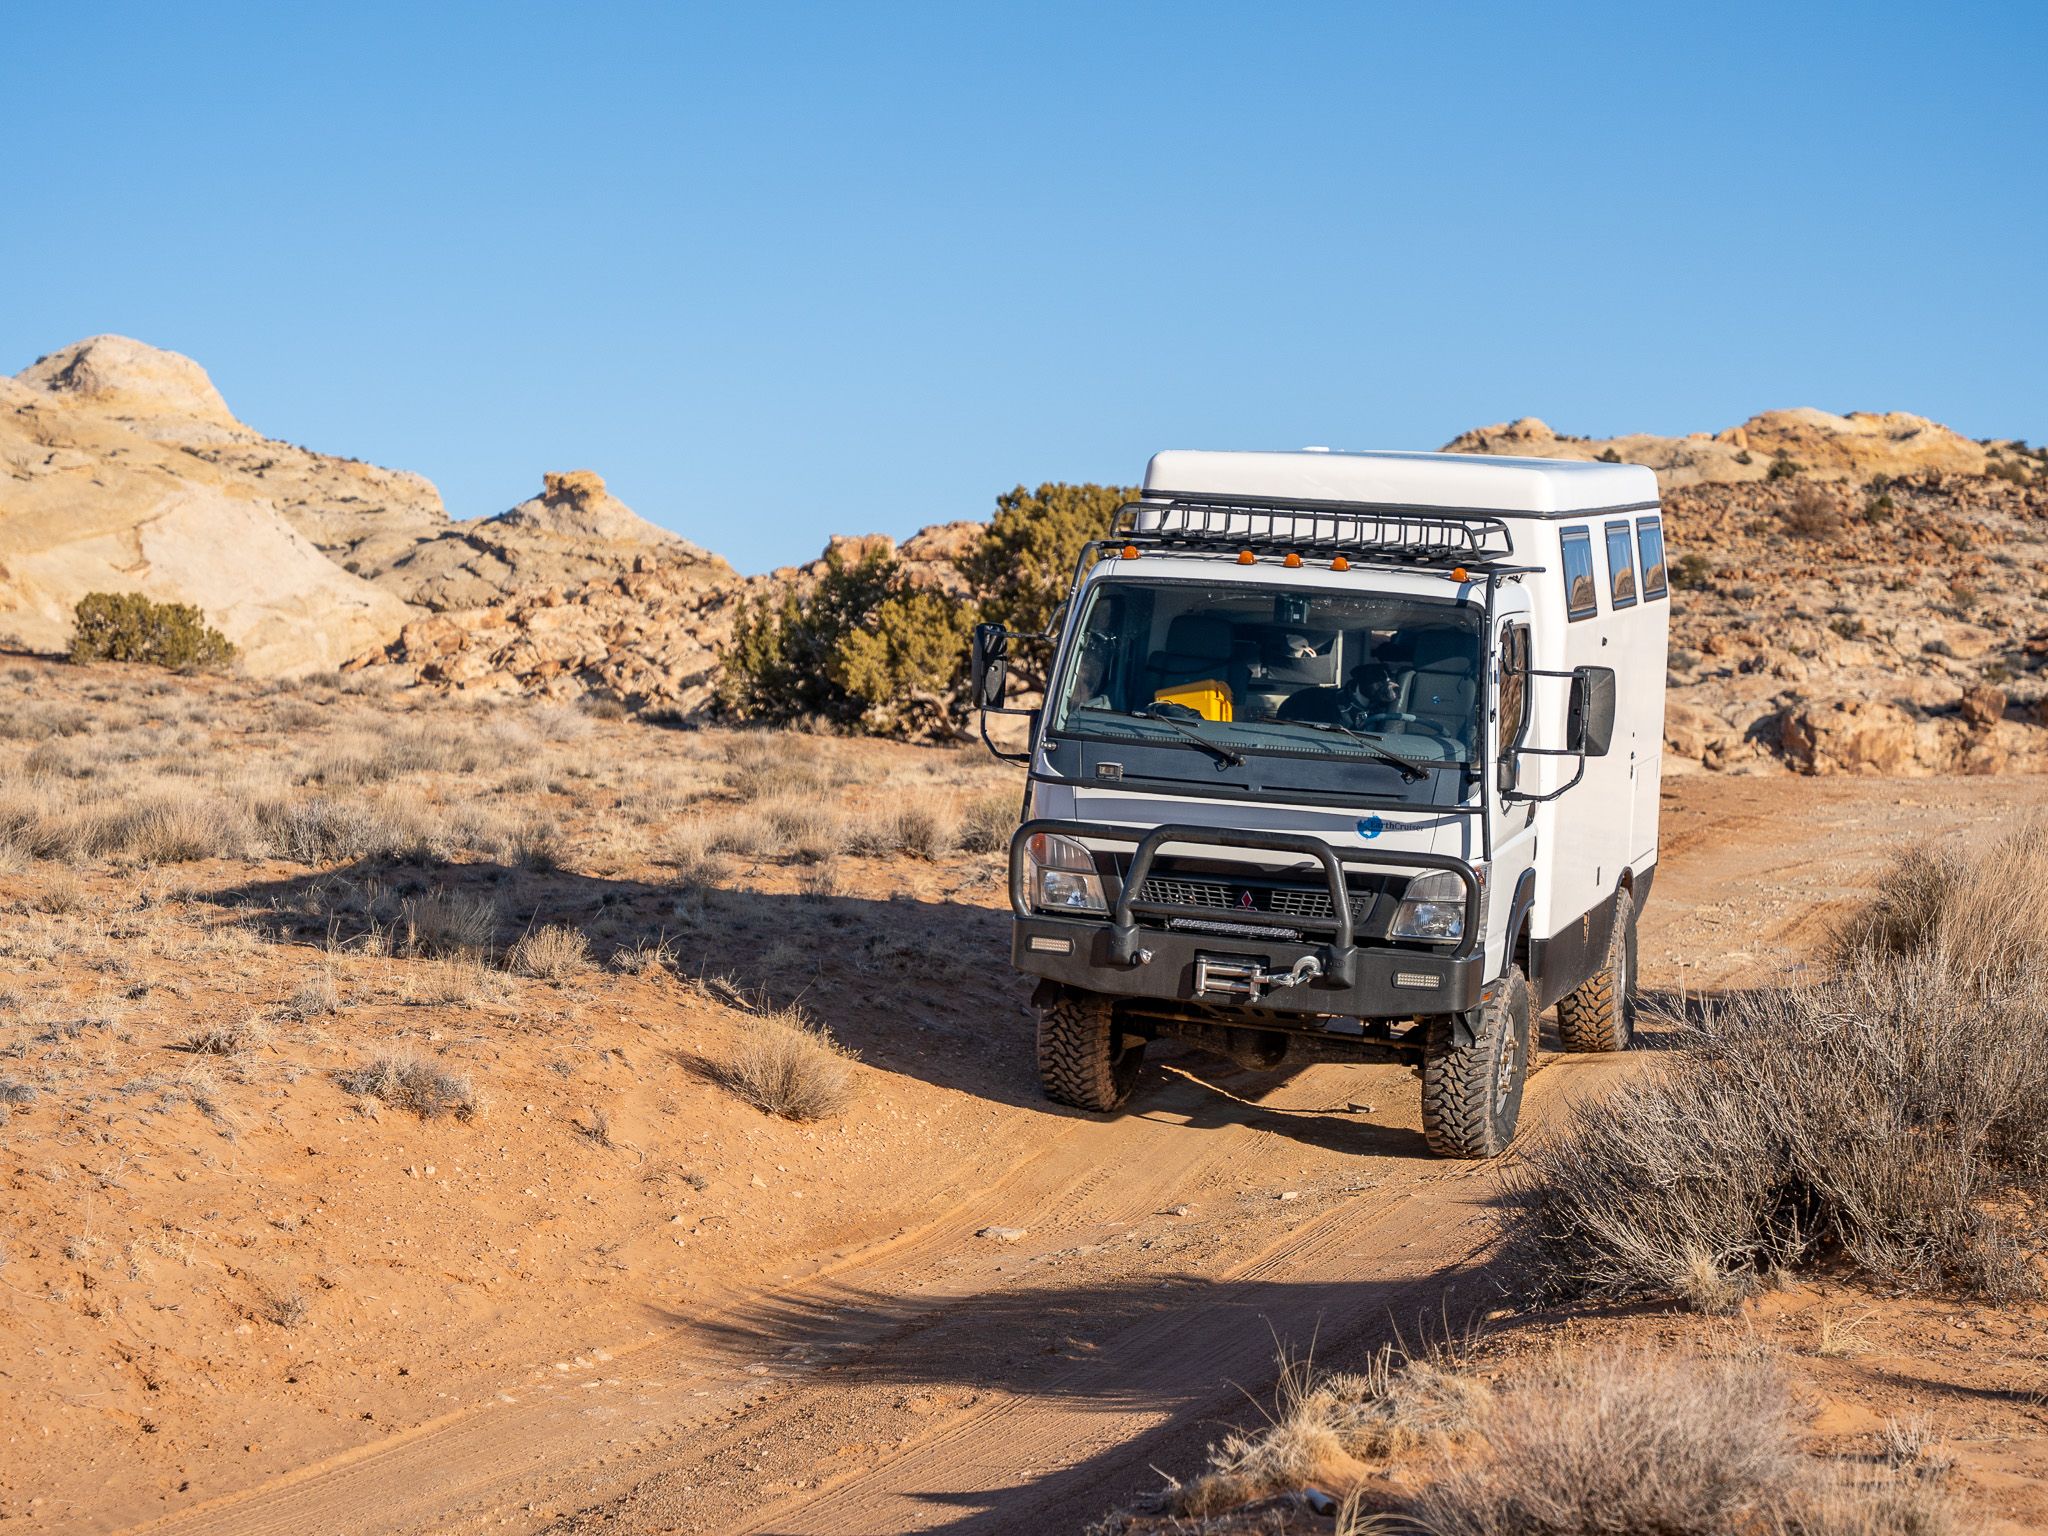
(1136, 1277)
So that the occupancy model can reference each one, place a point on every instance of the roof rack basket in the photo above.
(1396, 535)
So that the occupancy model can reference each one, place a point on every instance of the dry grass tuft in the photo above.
(1322, 1430)
(788, 1065)
(406, 1082)
(318, 995)
(1628, 1441)
(986, 825)
(553, 953)
(236, 1038)
(450, 925)
(1984, 906)
(645, 956)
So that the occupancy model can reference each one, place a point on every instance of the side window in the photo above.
(1621, 566)
(1650, 534)
(1581, 597)
(1514, 684)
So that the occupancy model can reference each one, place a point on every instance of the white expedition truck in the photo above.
(1346, 756)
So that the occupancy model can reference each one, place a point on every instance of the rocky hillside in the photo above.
(1817, 444)
(650, 636)
(122, 468)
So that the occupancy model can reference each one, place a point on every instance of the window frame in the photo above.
(1663, 590)
(1614, 599)
(1582, 536)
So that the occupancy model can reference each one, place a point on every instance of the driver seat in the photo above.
(1443, 689)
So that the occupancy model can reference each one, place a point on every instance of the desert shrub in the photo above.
(1649, 1444)
(442, 924)
(786, 1064)
(175, 827)
(987, 823)
(1783, 467)
(1024, 564)
(860, 648)
(553, 953)
(539, 845)
(126, 626)
(1690, 570)
(1812, 514)
(602, 706)
(406, 1082)
(328, 831)
(1886, 1119)
(1983, 905)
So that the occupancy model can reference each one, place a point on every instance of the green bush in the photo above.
(126, 626)
(866, 650)
(1025, 562)
(861, 649)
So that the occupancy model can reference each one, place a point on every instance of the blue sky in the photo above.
(783, 270)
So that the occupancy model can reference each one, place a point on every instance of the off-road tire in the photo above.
(1600, 1014)
(1472, 1094)
(1084, 1058)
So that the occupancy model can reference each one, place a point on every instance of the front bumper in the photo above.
(1120, 958)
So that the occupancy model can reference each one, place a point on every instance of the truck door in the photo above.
(1514, 825)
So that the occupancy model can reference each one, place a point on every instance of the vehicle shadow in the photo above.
(1188, 1357)
(918, 987)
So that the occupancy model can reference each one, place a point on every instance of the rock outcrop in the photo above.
(123, 469)
(111, 480)
(1815, 443)
(574, 532)
(649, 636)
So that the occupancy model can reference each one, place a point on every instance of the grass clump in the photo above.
(126, 626)
(552, 953)
(230, 1037)
(446, 925)
(406, 1082)
(787, 1064)
(1885, 1119)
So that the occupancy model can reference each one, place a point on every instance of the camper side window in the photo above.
(1621, 566)
(1581, 597)
(1650, 534)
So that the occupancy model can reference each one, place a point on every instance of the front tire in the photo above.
(1084, 1057)
(1600, 1013)
(1472, 1094)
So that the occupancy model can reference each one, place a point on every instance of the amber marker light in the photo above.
(1340, 564)
(1460, 574)
(1292, 562)
(1246, 557)
(1130, 551)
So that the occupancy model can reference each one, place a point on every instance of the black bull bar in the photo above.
(1124, 944)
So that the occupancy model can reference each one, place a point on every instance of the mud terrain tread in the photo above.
(1458, 1115)
(1077, 1051)
(1597, 1015)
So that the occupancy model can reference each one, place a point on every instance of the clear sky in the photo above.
(783, 270)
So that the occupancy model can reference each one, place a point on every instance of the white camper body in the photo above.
(1347, 756)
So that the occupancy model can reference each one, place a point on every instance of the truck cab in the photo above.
(1345, 756)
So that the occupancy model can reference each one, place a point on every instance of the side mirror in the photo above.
(1589, 723)
(989, 668)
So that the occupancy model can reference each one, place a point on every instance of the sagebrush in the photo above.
(126, 626)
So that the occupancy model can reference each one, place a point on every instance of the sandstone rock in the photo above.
(1983, 705)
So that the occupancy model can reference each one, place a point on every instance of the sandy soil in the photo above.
(239, 1304)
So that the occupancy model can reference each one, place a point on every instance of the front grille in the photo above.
(1308, 902)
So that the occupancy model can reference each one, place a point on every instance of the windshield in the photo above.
(1246, 669)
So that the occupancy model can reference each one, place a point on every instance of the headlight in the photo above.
(1063, 877)
(1433, 908)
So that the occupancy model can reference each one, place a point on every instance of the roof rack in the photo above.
(1396, 535)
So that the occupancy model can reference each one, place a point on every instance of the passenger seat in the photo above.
(1444, 687)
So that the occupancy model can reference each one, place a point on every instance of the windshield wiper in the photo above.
(1222, 754)
(1411, 772)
